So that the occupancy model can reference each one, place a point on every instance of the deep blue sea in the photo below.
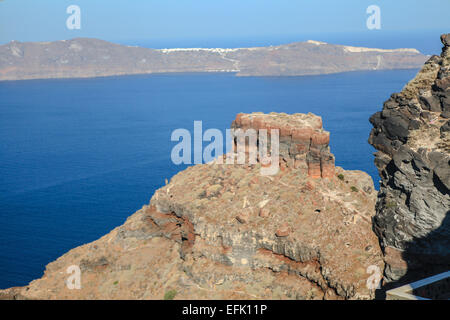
(78, 156)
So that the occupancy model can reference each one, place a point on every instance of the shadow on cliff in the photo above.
(425, 257)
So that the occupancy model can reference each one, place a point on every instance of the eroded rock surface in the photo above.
(412, 136)
(303, 144)
(219, 231)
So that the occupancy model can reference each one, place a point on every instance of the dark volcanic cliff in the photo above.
(412, 135)
(82, 57)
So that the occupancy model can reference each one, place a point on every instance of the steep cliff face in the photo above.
(225, 231)
(412, 135)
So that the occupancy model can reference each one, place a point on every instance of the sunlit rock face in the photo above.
(412, 135)
(226, 231)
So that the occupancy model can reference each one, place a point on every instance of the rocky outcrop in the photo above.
(225, 231)
(303, 144)
(412, 137)
(84, 57)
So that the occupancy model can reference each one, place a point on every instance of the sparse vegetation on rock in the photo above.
(413, 159)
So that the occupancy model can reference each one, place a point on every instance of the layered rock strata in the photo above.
(303, 143)
(412, 135)
(85, 57)
(219, 231)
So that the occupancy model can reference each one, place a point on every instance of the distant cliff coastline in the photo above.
(85, 57)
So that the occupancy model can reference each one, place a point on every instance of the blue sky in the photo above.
(45, 20)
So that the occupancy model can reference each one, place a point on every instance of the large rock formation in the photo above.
(412, 135)
(225, 231)
(303, 144)
(84, 57)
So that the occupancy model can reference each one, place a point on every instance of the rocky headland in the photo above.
(309, 231)
(86, 57)
(225, 231)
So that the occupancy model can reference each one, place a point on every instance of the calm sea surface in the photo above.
(78, 156)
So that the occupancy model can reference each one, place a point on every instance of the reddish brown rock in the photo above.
(327, 168)
(44, 60)
(258, 123)
(242, 218)
(320, 139)
(300, 134)
(314, 170)
(301, 148)
(309, 186)
(264, 212)
(412, 136)
(300, 163)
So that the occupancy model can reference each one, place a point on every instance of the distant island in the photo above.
(87, 57)
(310, 231)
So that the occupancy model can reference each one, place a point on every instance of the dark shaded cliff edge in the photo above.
(412, 136)
(86, 57)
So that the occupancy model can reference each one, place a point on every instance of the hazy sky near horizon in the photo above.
(45, 20)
